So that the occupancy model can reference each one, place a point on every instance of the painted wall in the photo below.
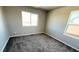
(14, 17)
(4, 36)
(56, 23)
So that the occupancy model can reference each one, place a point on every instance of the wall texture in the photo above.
(56, 23)
(14, 17)
(4, 35)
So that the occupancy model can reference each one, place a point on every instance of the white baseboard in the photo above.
(62, 42)
(25, 34)
(5, 44)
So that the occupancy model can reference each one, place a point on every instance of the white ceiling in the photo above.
(47, 7)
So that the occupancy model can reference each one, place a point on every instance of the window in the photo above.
(29, 19)
(73, 24)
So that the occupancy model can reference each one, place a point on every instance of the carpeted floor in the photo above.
(36, 43)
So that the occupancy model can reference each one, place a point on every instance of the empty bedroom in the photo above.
(39, 28)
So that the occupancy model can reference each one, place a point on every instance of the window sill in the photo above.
(72, 36)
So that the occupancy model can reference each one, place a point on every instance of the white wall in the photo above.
(56, 23)
(14, 17)
(4, 36)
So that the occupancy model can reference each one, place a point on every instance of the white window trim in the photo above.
(31, 19)
(72, 36)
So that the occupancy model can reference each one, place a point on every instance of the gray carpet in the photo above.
(37, 43)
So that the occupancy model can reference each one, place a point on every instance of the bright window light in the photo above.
(75, 21)
(25, 18)
(29, 19)
(73, 24)
(34, 19)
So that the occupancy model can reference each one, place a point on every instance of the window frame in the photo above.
(30, 24)
(67, 24)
